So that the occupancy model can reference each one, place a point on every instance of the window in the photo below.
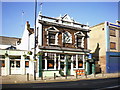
(26, 63)
(50, 61)
(80, 61)
(62, 56)
(80, 64)
(67, 37)
(43, 64)
(3, 63)
(62, 65)
(18, 64)
(52, 38)
(79, 41)
(74, 61)
(11, 63)
(112, 32)
(50, 64)
(112, 45)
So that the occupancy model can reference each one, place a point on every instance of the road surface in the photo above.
(94, 84)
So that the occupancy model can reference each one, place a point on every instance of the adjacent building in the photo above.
(12, 60)
(104, 43)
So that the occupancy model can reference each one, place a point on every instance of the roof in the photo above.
(8, 40)
(61, 25)
(97, 24)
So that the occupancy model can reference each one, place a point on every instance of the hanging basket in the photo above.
(29, 52)
(6, 55)
(39, 53)
(24, 55)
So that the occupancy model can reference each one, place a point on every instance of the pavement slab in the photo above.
(17, 79)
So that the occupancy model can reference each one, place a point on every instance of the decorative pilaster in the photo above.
(76, 61)
(72, 65)
(45, 62)
(59, 62)
(7, 64)
(22, 64)
(55, 57)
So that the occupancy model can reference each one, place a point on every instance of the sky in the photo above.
(13, 22)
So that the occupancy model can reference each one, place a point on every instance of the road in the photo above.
(94, 84)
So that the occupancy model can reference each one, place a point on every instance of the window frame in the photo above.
(52, 30)
(112, 32)
(80, 35)
(113, 48)
(26, 65)
(65, 36)
(3, 63)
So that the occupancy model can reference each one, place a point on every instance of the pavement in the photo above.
(17, 79)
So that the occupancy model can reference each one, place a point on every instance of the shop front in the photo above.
(61, 64)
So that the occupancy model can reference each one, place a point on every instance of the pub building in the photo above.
(62, 44)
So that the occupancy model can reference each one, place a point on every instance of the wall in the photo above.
(60, 44)
(115, 39)
(98, 44)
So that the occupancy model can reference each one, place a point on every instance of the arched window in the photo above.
(52, 38)
(67, 37)
(79, 40)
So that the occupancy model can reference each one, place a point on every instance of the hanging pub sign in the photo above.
(90, 56)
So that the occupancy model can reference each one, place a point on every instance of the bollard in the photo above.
(102, 73)
(42, 76)
(76, 75)
(66, 77)
(27, 76)
(54, 75)
(94, 75)
(85, 74)
(34, 75)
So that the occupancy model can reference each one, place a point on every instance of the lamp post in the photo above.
(35, 43)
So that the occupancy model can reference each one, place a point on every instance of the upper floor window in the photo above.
(112, 45)
(79, 41)
(67, 37)
(52, 38)
(79, 36)
(112, 32)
